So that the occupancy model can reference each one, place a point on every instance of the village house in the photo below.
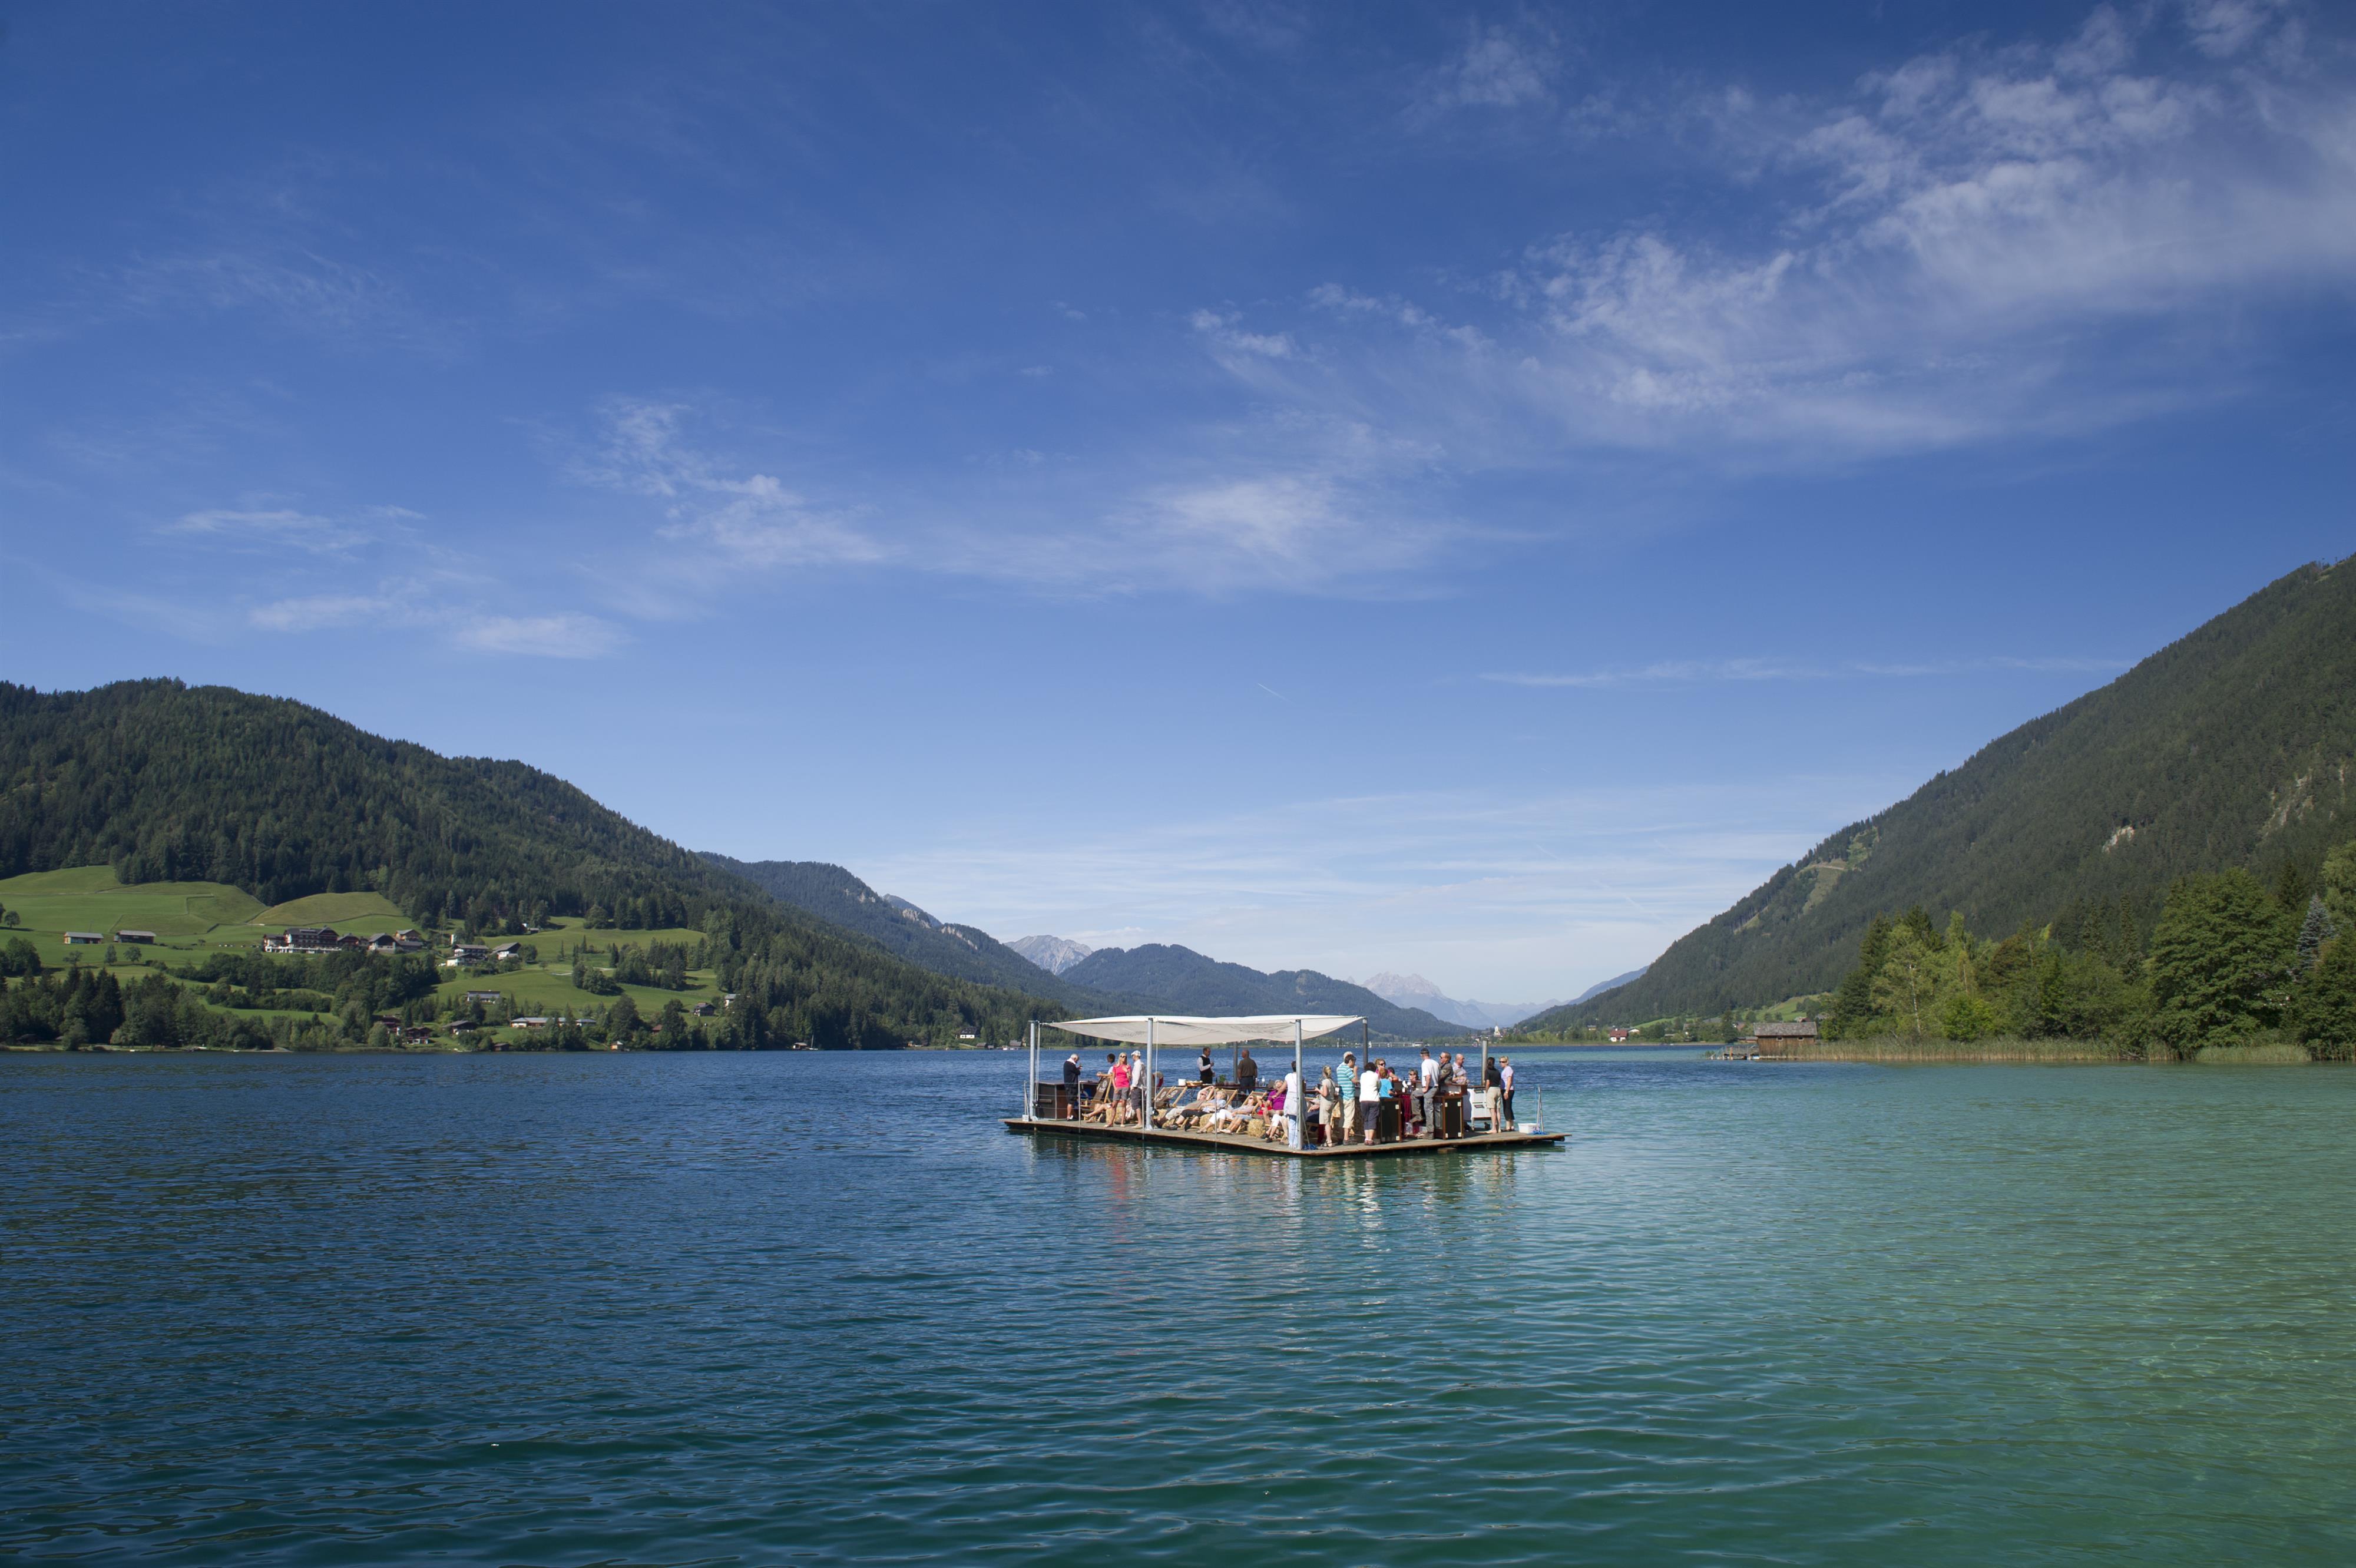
(303, 939)
(138, 938)
(84, 939)
(513, 949)
(464, 953)
(487, 998)
(704, 1009)
(1620, 1037)
(381, 943)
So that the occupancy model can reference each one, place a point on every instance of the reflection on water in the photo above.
(639, 1309)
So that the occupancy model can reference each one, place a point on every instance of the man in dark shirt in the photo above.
(1071, 1085)
(1247, 1071)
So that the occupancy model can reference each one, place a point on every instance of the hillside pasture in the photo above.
(90, 898)
(342, 910)
(549, 992)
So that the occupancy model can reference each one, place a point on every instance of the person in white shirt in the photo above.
(1370, 1099)
(1295, 1103)
(1427, 1079)
(1505, 1099)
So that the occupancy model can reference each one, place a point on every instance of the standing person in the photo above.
(1118, 1079)
(1345, 1108)
(1071, 1085)
(1427, 1084)
(1370, 1098)
(1296, 1106)
(1454, 1081)
(1325, 1107)
(1247, 1071)
(1387, 1087)
(1204, 1071)
(1505, 1098)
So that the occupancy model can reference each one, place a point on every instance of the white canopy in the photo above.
(1175, 1031)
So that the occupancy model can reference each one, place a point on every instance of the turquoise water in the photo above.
(643, 1309)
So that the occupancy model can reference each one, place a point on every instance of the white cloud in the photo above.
(732, 523)
(1229, 341)
(1979, 244)
(445, 607)
(564, 635)
(1496, 68)
(284, 528)
(316, 612)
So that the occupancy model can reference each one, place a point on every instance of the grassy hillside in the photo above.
(354, 910)
(90, 898)
(166, 783)
(2235, 746)
(1184, 981)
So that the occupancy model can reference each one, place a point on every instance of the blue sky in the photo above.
(1374, 487)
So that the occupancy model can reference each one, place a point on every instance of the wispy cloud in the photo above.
(1978, 244)
(713, 521)
(1704, 671)
(282, 529)
(1497, 67)
(440, 606)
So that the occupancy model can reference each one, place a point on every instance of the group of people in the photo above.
(1374, 1103)
(1368, 1102)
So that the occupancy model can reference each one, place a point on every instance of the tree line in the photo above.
(2221, 960)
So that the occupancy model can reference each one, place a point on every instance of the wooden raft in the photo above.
(1262, 1146)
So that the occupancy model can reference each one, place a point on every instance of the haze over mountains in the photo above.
(2234, 746)
(1414, 990)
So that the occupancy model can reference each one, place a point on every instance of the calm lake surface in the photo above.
(634, 1309)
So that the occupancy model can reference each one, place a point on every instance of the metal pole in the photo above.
(1030, 1089)
(1293, 1103)
(1145, 1116)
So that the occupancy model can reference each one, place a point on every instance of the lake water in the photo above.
(634, 1309)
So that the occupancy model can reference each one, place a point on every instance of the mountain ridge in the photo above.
(1185, 980)
(2234, 746)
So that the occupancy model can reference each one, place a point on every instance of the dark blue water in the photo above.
(631, 1309)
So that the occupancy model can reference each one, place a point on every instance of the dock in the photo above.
(1042, 1127)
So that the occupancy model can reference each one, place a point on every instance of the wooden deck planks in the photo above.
(1262, 1146)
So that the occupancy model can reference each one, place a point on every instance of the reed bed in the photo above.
(2004, 1049)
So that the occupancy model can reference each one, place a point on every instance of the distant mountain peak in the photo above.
(1399, 987)
(1054, 954)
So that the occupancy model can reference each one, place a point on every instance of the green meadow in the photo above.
(87, 899)
(363, 914)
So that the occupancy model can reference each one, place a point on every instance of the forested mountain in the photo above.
(1186, 981)
(164, 782)
(2233, 747)
(839, 898)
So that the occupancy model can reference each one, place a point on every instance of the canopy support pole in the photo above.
(1295, 1103)
(1145, 1103)
(1030, 1089)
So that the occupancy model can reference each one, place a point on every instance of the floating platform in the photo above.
(1045, 1128)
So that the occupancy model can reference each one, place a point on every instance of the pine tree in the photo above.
(2322, 1011)
(2315, 931)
